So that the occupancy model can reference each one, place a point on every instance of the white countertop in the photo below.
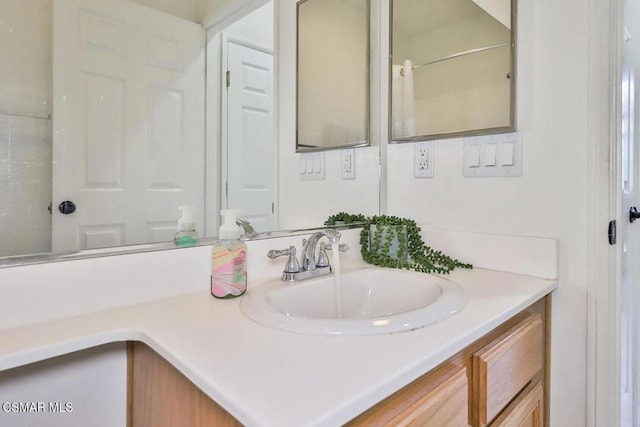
(266, 377)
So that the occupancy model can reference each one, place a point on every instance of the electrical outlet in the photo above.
(348, 160)
(423, 159)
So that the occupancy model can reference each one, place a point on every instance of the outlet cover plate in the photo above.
(423, 159)
(348, 163)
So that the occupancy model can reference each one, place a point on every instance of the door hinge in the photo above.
(273, 207)
(228, 78)
(612, 232)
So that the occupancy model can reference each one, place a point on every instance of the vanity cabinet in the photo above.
(501, 380)
(159, 395)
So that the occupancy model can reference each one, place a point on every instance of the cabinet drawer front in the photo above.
(431, 401)
(505, 366)
(446, 406)
(525, 411)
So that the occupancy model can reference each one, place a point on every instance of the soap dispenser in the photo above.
(186, 235)
(229, 259)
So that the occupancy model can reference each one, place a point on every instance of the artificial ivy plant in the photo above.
(345, 218)
(380, 250)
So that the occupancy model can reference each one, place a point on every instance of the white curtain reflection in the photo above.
(402, 98)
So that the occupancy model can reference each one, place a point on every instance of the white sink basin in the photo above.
(374, 301)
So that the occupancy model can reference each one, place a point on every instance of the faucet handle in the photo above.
(292, 265)
(323, 259)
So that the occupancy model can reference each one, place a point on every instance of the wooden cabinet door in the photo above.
(439, 399)
(525, 411)
(160, 396)
(505, 366)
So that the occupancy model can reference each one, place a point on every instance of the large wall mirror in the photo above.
(332, 74)
(452, 68)
(102, 103)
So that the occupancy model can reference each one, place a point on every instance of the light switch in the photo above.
(506, 154)
(498, 155)
(312, 166)
(489, 155)
(473, 156)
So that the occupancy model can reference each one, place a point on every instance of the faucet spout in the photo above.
(246, 227)
(309, 248)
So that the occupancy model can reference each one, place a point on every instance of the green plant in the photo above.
(345, 218)
(419, 256)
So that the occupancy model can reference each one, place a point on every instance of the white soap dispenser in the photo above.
(229, 260)
(186, 235)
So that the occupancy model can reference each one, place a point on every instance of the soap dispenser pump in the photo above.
(186, 235)
(229, 259)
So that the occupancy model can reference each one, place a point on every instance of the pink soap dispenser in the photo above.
(229, 260)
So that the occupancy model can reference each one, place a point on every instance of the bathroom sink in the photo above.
(374, 301)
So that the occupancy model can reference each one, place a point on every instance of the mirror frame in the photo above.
(300, 148)
(511, 127)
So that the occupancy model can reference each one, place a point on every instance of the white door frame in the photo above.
(225, 40)
(603, 205)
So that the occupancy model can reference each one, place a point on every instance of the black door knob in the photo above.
(633, 214)
(67, 207)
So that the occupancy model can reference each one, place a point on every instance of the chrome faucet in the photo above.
(310, 244)
(247, 228)
(312, 265)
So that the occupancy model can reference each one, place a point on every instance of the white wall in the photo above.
(221, 13)
(258, 26)
(185, 9)
(549, 199)
(25, 69)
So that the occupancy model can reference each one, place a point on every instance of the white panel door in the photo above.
(630, 231)
(250, 143)
(128, 123)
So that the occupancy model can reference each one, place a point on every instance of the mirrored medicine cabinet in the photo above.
(452, 70)
(332, 96)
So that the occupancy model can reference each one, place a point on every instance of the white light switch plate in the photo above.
(312, 166)
(493, 155)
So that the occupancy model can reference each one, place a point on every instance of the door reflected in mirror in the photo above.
(332, 74)
(452, 68)
(106, 109)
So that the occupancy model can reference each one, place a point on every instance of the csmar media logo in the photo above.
(36, 407)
